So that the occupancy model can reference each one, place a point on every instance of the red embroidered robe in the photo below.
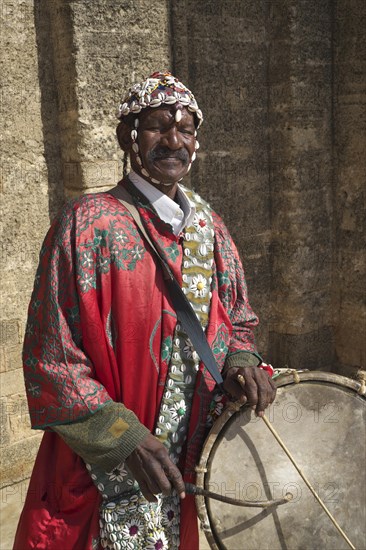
(98, 316)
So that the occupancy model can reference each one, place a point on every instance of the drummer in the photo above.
(110, 372)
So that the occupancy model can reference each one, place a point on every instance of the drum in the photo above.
(320, 418)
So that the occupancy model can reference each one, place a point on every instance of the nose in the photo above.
(172, 139)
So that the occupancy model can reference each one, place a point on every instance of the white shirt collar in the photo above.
(177, 215)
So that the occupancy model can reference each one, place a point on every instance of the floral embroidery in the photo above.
(200, 222)
(120, 236)
(168, 515)
(157, 541)
(198, 286)
(172, 252)
(166, 348)
(34, 389)
(132, 529)
(103, 264)
(220, 344)
(118, 473)
(86, 259)
(223, 278)
(99, 238)
(188, 349)
(137, 252)
(178, 410)
(87, 281)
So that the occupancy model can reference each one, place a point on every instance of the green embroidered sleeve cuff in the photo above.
(107, 437)
(242, 359)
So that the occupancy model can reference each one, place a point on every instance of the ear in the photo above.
(124, 136)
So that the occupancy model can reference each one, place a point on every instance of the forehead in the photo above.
(164, 114)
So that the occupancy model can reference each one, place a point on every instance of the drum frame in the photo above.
(231, 409)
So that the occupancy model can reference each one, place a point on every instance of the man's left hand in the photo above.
(251, 385)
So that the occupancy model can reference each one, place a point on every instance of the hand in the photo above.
(153, 470)
(250, 385)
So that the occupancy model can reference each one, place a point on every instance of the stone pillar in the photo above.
(350, 181)
(100, 48)
(220, 50)
(300, 122)
(24, 219)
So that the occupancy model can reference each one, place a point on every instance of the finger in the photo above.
(251, 391)
(263, 399)
(175, 477)
(157, 479)
(233, 387)
(266, 393)
(146, 491)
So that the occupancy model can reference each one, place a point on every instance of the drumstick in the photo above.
(281, 443)
(192, 489)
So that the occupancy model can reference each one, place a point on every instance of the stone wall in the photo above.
(349, 268)
(24, 222)
(265, 84)
(282, 88)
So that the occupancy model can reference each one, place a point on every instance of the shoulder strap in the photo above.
(183, 308)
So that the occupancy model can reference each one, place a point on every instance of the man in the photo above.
(110, 373)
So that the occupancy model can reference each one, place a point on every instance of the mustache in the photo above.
(164, 152)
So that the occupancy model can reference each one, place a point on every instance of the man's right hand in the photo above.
(153, 470)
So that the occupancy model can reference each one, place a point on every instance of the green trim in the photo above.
(82, 417)
(242, 359)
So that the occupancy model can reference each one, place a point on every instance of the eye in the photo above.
(152, 129)
(186, 130)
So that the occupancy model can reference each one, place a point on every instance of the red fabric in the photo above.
(62, 505)
(98, 317)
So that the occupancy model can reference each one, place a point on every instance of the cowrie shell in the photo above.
(134, 135)
(145, 172)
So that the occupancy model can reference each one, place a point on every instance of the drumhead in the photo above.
(321, 421)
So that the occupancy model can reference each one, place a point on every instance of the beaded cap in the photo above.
(159, 88)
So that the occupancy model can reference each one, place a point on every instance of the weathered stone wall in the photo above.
(349, 268)
(282, 88)
(300, 144)
(24, 221)
(99, 49)
(220, 48)
(263, 74)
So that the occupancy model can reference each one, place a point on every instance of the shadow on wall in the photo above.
(51, 109)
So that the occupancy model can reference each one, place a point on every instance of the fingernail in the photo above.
(182, 495)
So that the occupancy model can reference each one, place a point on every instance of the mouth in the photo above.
(166, 156)
(169, 160)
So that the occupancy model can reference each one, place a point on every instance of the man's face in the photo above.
(165, 146)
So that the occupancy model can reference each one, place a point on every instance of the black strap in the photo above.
(182, 306)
